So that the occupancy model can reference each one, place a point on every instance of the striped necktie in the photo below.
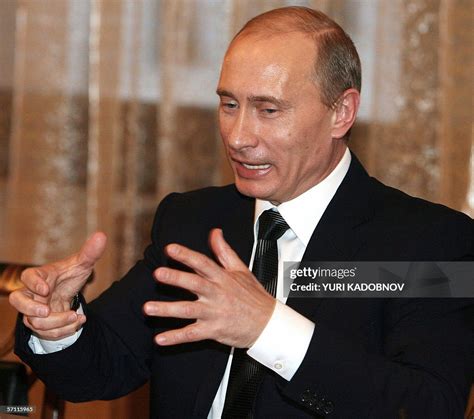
(246, 374)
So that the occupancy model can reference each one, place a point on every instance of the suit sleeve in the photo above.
(112, 356)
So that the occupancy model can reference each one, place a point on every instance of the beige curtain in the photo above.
(108, 105)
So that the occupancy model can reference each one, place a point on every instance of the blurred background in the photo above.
(108, 105)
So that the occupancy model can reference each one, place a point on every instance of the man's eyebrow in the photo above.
(283, 104)
(221, 92)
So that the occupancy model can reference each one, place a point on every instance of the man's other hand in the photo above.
(45, 299)
(232, 306)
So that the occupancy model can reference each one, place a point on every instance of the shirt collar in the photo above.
(304, 212)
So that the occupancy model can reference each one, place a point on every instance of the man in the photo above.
(213, 339)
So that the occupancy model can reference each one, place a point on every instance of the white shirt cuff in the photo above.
(44, 346)
(283, 343)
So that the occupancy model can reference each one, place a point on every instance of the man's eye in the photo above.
(269, 111)
(229, 105)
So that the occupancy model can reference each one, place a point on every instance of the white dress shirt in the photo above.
(284, 341)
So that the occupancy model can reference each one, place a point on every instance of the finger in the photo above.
(224, 253)
(200, 263)
(92, 249)
(59, 333)
(25, 304)
(186, 280)
(53, 321)
(177, 309)
(35, 279)
(191, 333)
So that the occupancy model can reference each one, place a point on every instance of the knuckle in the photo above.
(157, 308)
(30, 276)
(55, 333)
(209, 287)
(39, 324)
(34, 321)
(189, 309)
(169, 274)
(204, 261)
(195, 283)
(190, 334)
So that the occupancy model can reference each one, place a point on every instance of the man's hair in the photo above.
(337, 66)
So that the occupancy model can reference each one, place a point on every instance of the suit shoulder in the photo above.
(418, 218)
(210, 199)
(406, 205)
(188, 217)
(210, 192)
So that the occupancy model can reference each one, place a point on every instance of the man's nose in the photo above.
(242, 134)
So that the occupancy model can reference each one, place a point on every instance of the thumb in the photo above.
(92, 250)
(224, 253)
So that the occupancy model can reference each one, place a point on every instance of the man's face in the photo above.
(276, 130)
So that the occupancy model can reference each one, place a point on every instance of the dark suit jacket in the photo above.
(370, 358)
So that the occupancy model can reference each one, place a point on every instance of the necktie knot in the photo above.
(271, 225)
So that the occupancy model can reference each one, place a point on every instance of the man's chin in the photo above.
(248, 190)
(253, 191)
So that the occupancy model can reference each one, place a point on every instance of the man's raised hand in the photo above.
(45, 299)
(232, 306)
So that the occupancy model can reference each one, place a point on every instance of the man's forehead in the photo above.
(291, 53)
(271, 62)
(248, 43)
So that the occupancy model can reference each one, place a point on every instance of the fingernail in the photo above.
(146, 309)
(172, 249)
(160, 340)
(161, 273)
(72, 317)
(40, 289)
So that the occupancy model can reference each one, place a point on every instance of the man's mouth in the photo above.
(256, 166)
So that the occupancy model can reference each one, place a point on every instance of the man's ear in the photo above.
(345, 111)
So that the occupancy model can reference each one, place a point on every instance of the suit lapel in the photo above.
(238, 227)
(338, 235)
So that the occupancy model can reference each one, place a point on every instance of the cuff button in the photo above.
(328, 407)
(306, 396)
